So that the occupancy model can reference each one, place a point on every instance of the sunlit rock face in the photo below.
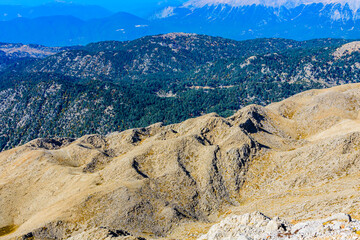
(297, 159)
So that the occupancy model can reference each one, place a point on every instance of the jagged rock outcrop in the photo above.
(297, 159)
(257, 226)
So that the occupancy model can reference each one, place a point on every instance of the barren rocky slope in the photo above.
(297, 159)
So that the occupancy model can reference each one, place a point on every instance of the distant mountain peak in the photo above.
(353, 4)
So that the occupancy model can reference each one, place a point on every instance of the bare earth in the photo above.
(298, 159)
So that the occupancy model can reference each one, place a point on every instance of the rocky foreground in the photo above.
(257, 226)
(298, 159)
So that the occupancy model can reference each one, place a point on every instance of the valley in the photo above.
(113, 86)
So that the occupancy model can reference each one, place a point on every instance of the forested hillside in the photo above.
(112, 86)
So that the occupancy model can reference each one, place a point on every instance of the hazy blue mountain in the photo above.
(244, 19)
(235, 19)
(51, 31)
(69, 30)
(120, 26)
(84, 12)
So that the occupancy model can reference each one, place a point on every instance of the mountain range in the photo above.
(155, 134)
(235, 19)
(69, 30)
(114, 126)
(238, 19)
(112, 86)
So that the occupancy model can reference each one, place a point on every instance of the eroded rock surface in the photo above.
(257, 226)
(297, 159)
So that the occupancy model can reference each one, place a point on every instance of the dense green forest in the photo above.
(113, 86)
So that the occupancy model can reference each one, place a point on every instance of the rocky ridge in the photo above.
(347, 49)
(297, 159)
(28, 51)
(12, 53)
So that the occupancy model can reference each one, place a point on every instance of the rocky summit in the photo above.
(207, 178)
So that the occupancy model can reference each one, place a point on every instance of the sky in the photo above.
(139, 7)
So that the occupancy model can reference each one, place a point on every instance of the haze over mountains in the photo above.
(66, 24)
(84, 12)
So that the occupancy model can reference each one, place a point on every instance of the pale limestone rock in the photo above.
(234, 227)
(342, 217)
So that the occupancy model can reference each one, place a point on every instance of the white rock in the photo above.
(256, 226)
(342, 217)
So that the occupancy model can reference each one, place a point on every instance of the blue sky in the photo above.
(134, 6)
